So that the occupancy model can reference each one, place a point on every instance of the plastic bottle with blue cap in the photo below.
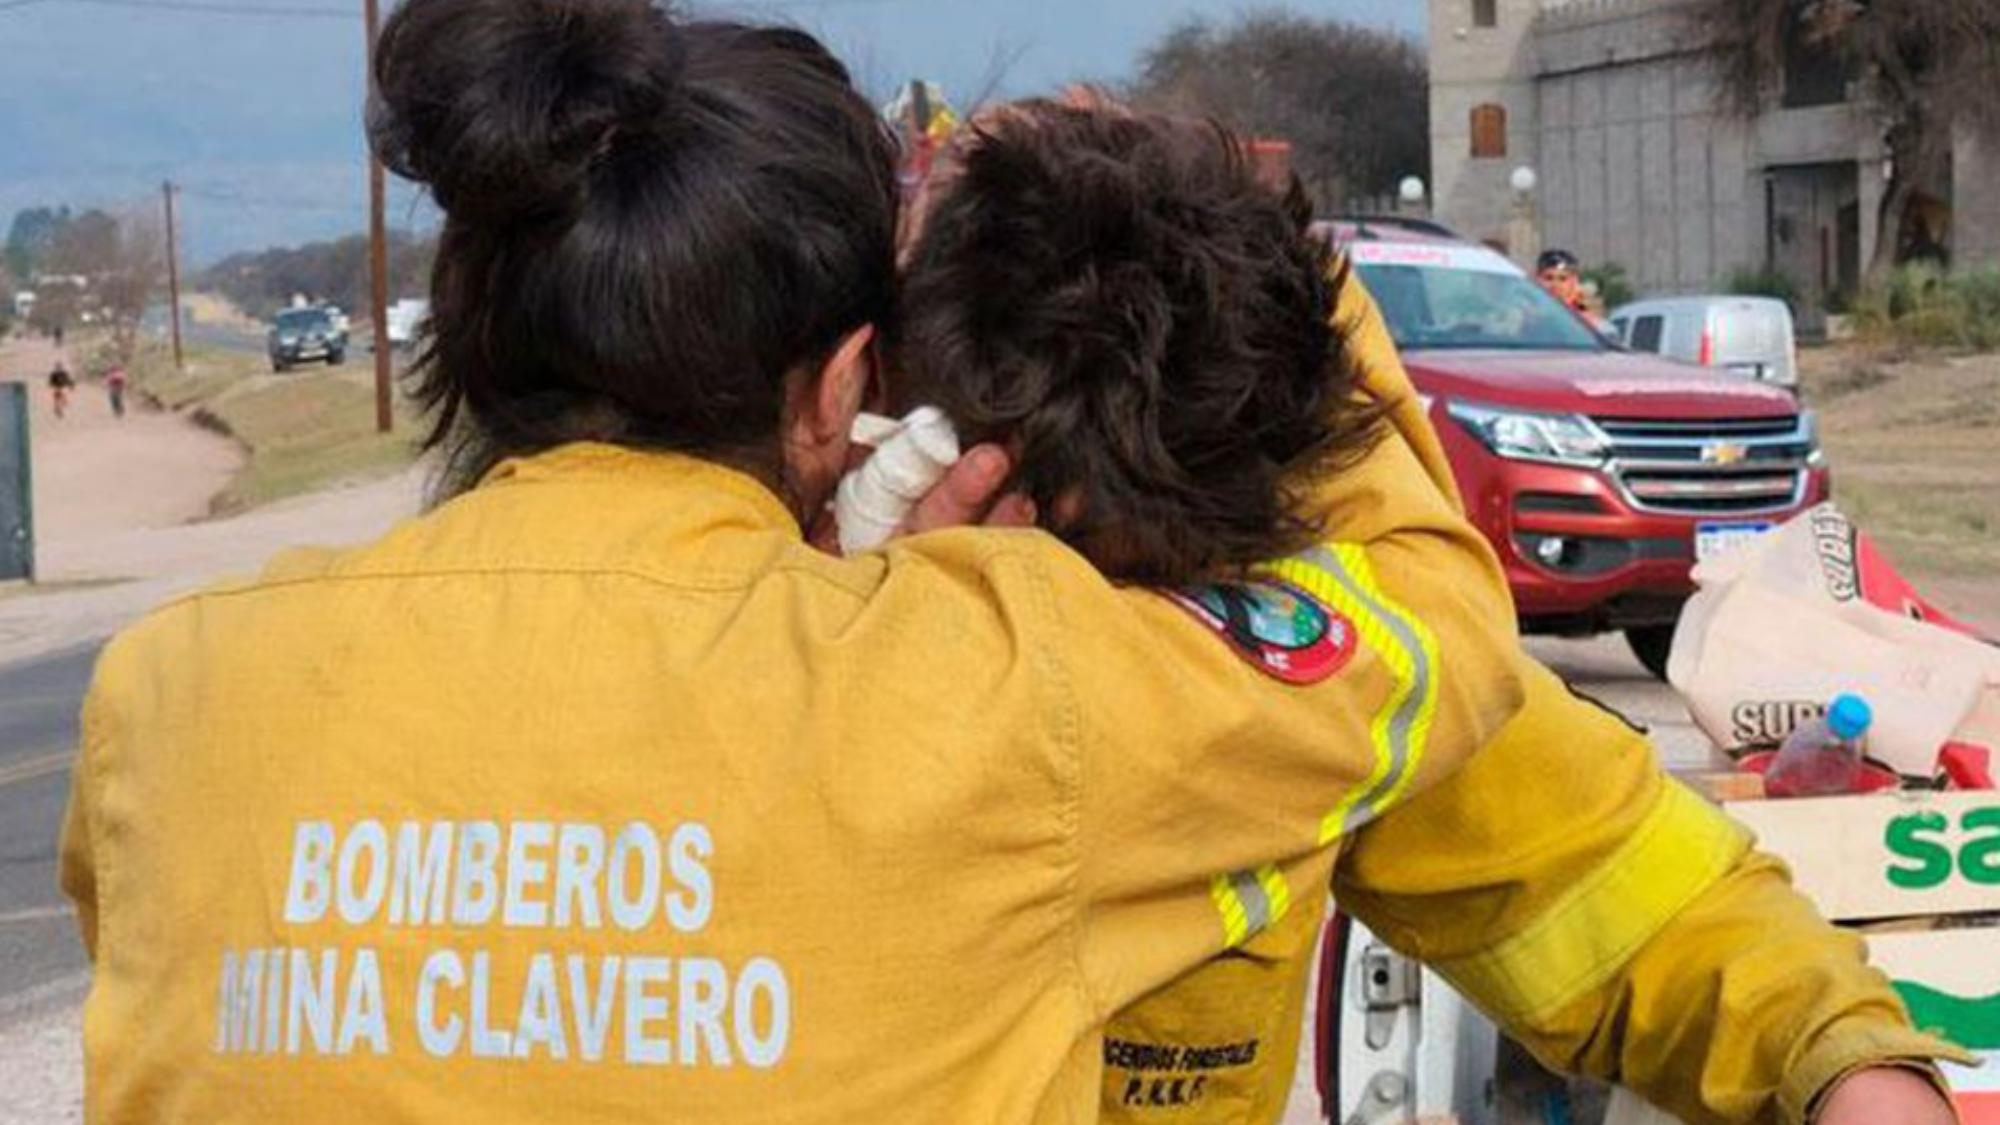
(1823, 757)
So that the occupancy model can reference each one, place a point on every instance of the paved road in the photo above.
(38, 708)
(230, 337)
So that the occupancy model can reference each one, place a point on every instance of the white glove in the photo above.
(911, 456)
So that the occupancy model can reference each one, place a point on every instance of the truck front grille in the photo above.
(1719, 466)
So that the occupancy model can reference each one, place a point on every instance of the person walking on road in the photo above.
(114, 386)
(61, 385)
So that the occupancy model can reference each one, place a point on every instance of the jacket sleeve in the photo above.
(1619, 926)
(1208, 784)
(1368, 353)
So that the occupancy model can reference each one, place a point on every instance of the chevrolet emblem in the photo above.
(1724, 453)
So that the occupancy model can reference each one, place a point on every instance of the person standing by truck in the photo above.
(1561, 275)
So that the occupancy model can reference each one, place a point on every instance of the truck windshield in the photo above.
(1443, 307)
(308, 320)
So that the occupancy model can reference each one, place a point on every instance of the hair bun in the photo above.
(503, 107)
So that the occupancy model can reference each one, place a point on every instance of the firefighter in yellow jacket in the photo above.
(597, 794)
(1563, 876)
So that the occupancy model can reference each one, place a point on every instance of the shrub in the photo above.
(1765, 283)
(1613, 287)
(1922, 305)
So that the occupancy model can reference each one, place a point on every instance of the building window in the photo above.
(1813, 76)
(1489, 131)
(1485, 13)
(1814, 73)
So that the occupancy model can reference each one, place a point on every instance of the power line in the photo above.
(206, 7)
(236, 198)
(791, 5)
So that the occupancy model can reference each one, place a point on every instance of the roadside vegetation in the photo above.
(1911, 436)
(1922, 306)
(302, 431)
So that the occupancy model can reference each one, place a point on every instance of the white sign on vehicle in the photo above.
(1620, 388)
(1713, 540)
(1430, 255)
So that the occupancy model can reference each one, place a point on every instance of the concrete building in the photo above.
(1636, 163)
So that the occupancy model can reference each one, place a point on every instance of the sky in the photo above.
(258, 116)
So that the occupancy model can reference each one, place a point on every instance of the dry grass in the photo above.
(304, 430)
(1914, 441)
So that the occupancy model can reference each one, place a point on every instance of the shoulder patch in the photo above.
(1278, 628)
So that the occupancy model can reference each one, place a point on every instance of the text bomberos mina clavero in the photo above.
(465, 876)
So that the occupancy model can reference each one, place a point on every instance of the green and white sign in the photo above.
(1892, 856)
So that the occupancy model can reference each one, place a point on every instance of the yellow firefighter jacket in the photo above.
(597, 794)
(1611, 921)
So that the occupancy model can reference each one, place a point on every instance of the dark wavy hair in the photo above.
(1118, 297)
(649, 224)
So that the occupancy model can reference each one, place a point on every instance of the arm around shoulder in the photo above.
(1618, 926)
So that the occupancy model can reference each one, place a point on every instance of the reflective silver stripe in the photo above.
(1256, 904)
(1403, 722)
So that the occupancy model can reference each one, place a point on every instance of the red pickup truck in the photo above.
(1599, 475)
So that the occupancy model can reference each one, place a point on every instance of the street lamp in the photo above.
(1411, 192)
(1524, 234)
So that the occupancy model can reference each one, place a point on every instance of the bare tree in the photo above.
(122, 261)
(1353, 101)
(133, 278)
(1927, 66)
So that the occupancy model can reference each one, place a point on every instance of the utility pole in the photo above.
(378, 247)
(173, 274)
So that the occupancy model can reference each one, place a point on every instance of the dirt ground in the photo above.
(96, 473)
(121, 507)
(1914, 442)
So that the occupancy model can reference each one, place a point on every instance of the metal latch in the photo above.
(1389, 983)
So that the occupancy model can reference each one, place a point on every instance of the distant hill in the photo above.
(261, 282)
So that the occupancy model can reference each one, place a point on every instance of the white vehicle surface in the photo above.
(406, 320)
(1749, 336)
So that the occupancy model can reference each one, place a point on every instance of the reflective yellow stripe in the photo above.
(1235, 919)
(1339, 575)
(1249, 902)
(1585, 937)
(1276, 891)
(1418, 652)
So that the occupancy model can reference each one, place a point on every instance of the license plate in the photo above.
(1713, 540)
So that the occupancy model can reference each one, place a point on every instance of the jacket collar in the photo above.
(587, 460)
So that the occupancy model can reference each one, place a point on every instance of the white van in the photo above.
(406, 320)
(1750, 336)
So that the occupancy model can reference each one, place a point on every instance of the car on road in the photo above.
(301, 335)
(1600, 475)
(1748, 336)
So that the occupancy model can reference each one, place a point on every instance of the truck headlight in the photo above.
(1521, 435)
(1809, 426)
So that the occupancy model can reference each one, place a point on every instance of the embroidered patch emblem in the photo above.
(1281, 630)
